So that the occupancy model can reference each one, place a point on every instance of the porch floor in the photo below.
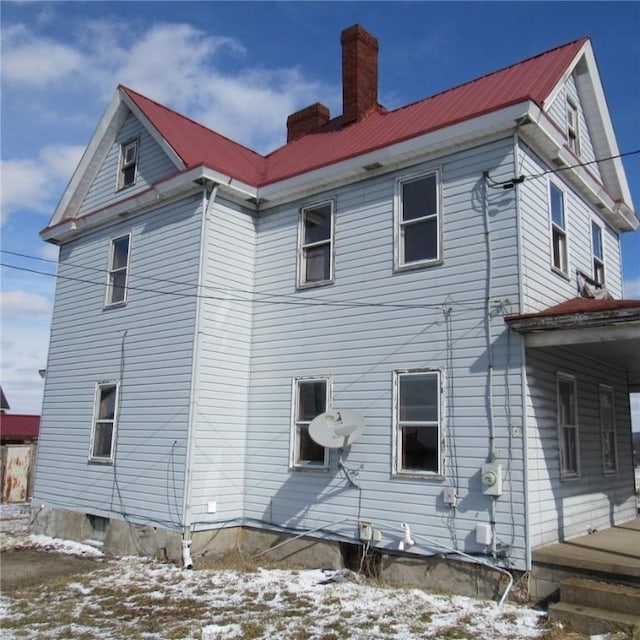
(615, 550)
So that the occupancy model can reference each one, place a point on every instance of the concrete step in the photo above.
(592, 621)
(601, 595)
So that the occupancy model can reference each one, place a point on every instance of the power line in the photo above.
(582, 164)
(305, 302)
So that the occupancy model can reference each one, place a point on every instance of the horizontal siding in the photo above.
(224, 360)
(153, 164)
(345, 331)
(562, 509)
(147, 345)
(542, 286)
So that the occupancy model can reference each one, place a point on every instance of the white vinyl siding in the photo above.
(388, 321)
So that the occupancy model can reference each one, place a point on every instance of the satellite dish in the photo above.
(336, 429)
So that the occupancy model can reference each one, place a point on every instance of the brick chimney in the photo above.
(359, 73)
(306, 120)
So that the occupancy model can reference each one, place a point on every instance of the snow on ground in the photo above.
(143, 599)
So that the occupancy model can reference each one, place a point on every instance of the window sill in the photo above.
(126, 186)
(309, 469)
(417, 475)
(314, 285)
(569, 477)
(562, 274)
(115, 305)
(412, 266)
(102, 461)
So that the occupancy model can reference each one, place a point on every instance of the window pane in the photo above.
(129, 175)
(120, 253)
(606, 415)
(421, 240)
(318, 263)
(312, 397)
(102, 436)
(310, 451)
(130, 153)
(419, 198)
(608, 444)
(557, 206)
(118, 282)
(559, 250)
(566, 402)
(569, 450)
(107, 403)
(598, 272)
(420, 448)
(317, 224)
(419, 396)
(596, 236)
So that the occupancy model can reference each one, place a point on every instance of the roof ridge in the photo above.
(128, 90)
(582, 39)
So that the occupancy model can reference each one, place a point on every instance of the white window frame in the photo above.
(112, 271)
(556, 231)
(104, 421)
(597, 260)
(608, 430)
(295, 463)
(124, 163)
(398, 424)
(400, 226)
(567, 473)
(573, 126)
(303, 247)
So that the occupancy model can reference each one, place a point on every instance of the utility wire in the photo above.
(305, 303)
(582, 164)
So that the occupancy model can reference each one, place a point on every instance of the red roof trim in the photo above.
(19, 426)
(578, 305)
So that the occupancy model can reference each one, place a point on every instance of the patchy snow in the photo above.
(137, 597)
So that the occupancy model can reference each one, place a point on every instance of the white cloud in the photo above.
(50, 252)
(632, 288)
(34, 61)
(14, 303)
(35, 184)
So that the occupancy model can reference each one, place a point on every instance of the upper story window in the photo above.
(315, 245)
(118, 270)
(573, 126)
(568, 426)
(310, 399)
(418, 221)
(597, 251)
(558, 229)
(128, 164)
(104, 422)
(418, 422)
(608, 430)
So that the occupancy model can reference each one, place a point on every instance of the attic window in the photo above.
(573, 126)
(128, 164)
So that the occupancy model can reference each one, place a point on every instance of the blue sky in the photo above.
(241, 68)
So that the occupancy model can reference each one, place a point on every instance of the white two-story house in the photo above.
(449, 269)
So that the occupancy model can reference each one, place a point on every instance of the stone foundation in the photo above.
(121, 538)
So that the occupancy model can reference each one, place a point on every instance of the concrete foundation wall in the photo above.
(122, 538)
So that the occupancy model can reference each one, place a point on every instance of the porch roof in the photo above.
(605, 330)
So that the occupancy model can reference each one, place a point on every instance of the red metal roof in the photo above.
(532, 79)
(580, 305)
(19, 426)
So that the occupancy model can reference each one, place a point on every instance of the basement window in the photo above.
(128, 164)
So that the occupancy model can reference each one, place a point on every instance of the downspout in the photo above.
(487, 307)
(209, 193)
(523, 361)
